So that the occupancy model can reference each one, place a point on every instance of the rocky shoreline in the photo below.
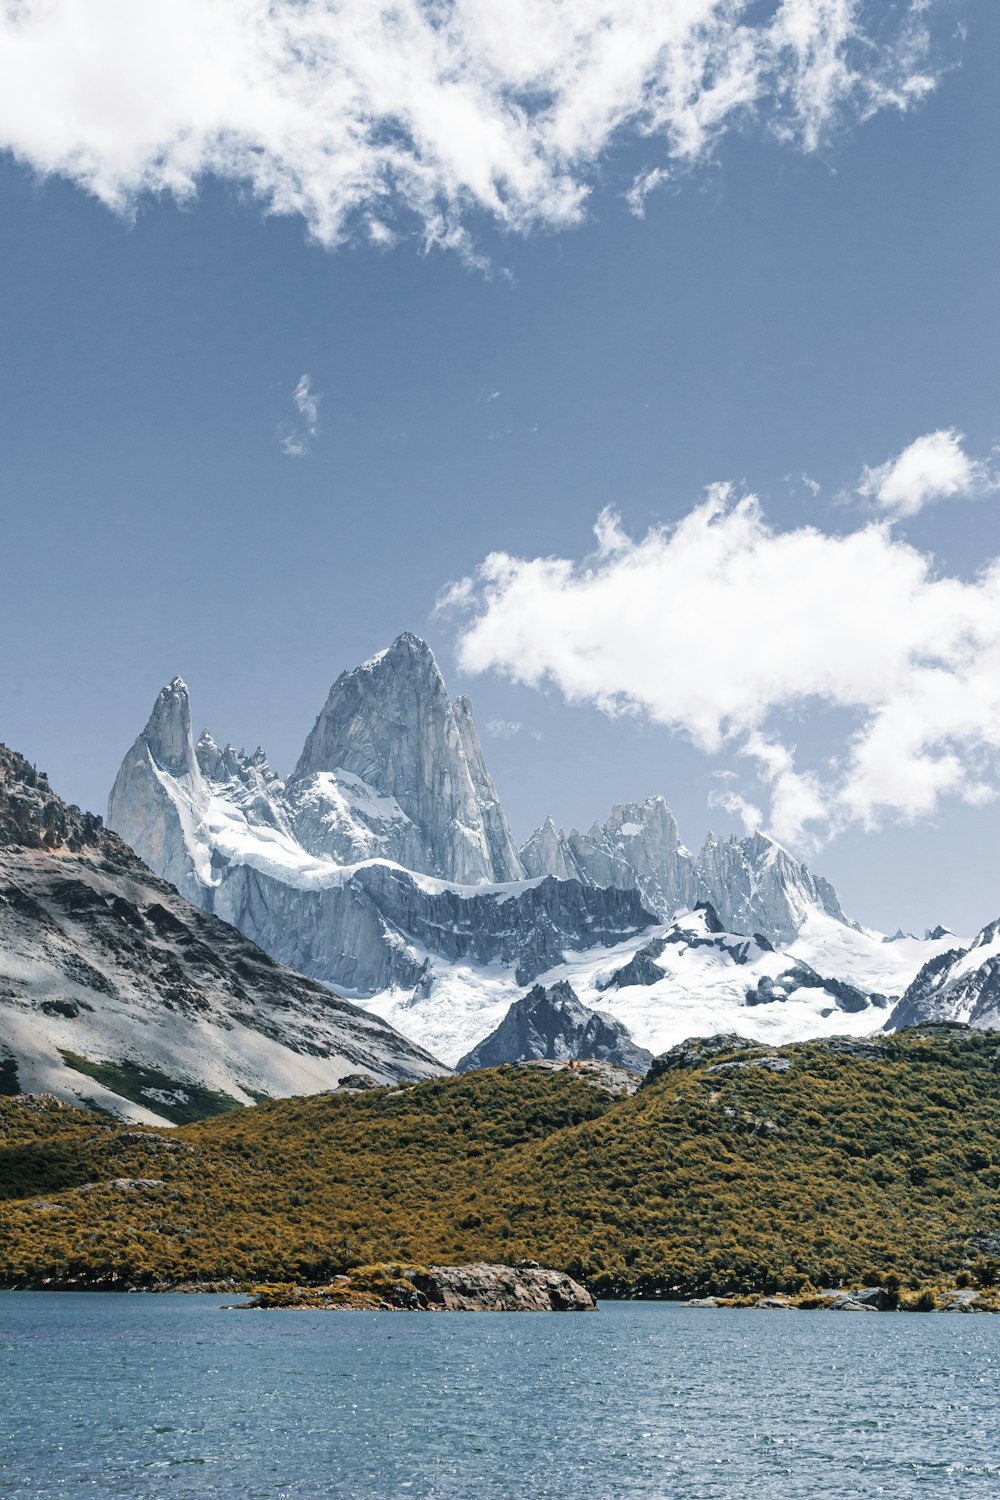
(956, 1299)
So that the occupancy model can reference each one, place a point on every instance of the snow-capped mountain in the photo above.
(959, 984)
(690, 977)
(754, 884)
(384, 866)
(381, 853)
(116, 991)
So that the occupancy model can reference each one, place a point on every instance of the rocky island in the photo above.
(525, 1287)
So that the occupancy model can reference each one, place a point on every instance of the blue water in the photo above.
(137, 1396)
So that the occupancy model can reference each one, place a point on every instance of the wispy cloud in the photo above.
(723, 626)
(933, 467)
(373, 119)
(296, 440)
(503, 729)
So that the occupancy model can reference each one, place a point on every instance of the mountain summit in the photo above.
(384, 866)
(390, 725)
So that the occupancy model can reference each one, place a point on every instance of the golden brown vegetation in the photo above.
(840, 1170)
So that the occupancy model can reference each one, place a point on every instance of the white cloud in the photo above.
(365, 116)
(307, 402)
(723, 628)
(296, 441)
(933, 467)
(503, 729)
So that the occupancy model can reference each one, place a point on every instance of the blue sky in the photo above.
(778, 312)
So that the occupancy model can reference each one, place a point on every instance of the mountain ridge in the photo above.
(116, 990)
(373, 868)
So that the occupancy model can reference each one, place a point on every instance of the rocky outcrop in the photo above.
(524, 1287)
(552, 1024)
(778, 988)
(618, 1082)
(115, 990)
(486, 1288)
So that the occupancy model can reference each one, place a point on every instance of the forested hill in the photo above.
(734, 1168)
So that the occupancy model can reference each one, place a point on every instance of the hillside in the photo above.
(734, 1168)
(115, 991)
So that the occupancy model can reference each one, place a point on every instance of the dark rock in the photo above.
(711, 916)
(354, 1083)
(801, 976)
(770, 1062)
(147, 1141)
(642, 968)
(552, 1024)
(696, 1051)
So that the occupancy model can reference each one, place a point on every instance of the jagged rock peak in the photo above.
(405, 676)
(547, 852)
(390, 723)
(551, 1024)
(636, 847)
(754, 884)
(168, 729)
(958, 984)
(33, 817)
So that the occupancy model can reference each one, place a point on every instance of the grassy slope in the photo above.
(727, 1181)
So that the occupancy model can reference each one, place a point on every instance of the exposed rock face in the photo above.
(485, 1288)
(551, 1023)
(370, 928)
(153, 801)
(389, 724)
(696, 1051)
(778, 988)
(547, 852)
(620, 1083)
(962, 984)
(754, 885)
(101, 958)
(392, 775)
(642, 969)
(639, 846)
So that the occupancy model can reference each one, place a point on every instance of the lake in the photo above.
(166, 1396)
